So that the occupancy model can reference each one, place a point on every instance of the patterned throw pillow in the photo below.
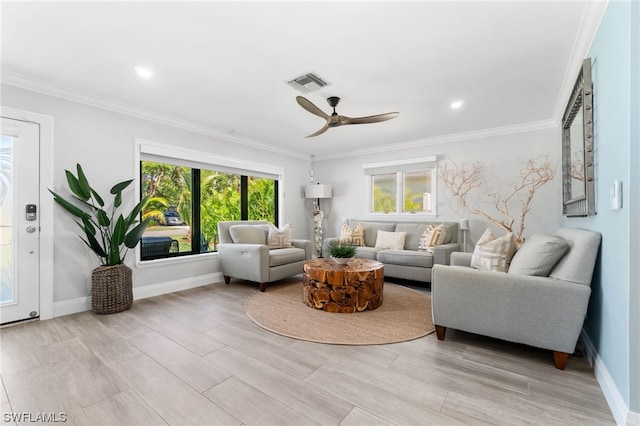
(354, 236)
(493, 254)
(280, 238)
(390, 240)
(432, 236)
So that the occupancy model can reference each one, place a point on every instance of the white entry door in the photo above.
(19, 221)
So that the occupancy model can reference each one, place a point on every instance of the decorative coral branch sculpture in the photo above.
(464, 179)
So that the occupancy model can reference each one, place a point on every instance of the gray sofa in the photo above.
(542, 311)
(254, 261)
(409, 263)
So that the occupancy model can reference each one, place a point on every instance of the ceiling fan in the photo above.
(335, 120)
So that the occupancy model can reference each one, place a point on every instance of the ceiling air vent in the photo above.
(308, 83)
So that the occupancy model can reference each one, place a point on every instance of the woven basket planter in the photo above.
(111, 289)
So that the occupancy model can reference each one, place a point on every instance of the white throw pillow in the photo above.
(390, 240)
(432, 236)
(280, 238)
(493, 254)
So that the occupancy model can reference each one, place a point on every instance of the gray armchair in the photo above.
(542, 311)
(243, 253)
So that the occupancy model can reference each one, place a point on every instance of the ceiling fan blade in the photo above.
(319, 132)
(306, 104)
(369, 119)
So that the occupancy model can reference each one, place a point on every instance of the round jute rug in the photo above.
(405, 314)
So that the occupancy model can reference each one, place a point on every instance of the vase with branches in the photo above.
(512, 202)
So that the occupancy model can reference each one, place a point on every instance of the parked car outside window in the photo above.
(173, 218)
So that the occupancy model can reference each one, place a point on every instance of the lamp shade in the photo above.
(317, 191)
(464, 224)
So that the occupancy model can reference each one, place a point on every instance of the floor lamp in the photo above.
(464, 228)
(316, 192)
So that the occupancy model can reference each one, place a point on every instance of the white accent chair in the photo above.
(243, 253)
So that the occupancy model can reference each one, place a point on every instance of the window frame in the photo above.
(399, 167)
(146, 150)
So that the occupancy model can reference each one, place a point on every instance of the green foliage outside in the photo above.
(171, 186)
(415, 184)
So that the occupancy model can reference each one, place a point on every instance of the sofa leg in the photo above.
(263, 286)
(227, 279)
(560, 359)
(440, 331)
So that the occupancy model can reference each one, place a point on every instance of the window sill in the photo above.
(142, 264)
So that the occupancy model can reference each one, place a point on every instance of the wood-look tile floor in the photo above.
(193, 357)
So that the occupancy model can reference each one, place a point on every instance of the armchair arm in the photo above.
(537, 311)
(459, 258)
(442, 253)
(246, 261)
(307, 245)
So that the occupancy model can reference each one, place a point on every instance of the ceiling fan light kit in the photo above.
(335, 120)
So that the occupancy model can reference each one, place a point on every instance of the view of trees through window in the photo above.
(415, 187)
(184, 202)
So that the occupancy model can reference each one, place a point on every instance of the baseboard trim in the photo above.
(177, 285)
(618, 407)
(81, 304)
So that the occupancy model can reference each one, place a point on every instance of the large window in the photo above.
(401, 187)
(187, 202)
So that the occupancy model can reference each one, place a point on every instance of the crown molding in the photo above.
(591, 19)
(13, 79)
(453, 137)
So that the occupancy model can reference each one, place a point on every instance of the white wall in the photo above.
(103, 142)
(503, 157)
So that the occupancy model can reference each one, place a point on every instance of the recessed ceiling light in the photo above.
(457, 104)
(144, 72)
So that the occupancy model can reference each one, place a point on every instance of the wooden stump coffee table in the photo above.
(353, 287)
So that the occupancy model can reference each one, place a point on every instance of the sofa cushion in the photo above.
(493, 254)
(406, 258)
(354, 237)
(414, 232)
(390, 240)
(284, 256)
(371, 231)
(249, 234)
(370, 253)
(280, 238)
(538, 255)
(451, 230)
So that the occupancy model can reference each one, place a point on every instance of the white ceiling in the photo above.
(222, 67)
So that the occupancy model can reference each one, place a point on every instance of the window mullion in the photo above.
(399, 193)
(195, 211)
(244, 197)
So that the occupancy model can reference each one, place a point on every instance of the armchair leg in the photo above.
(263, 286)
(440, 332)
(227, 279)
(560, 359)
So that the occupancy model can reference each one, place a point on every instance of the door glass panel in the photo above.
(6, 220)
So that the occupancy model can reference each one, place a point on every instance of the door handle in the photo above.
(31, 229)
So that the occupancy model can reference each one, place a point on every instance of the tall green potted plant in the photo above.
(109, 235)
